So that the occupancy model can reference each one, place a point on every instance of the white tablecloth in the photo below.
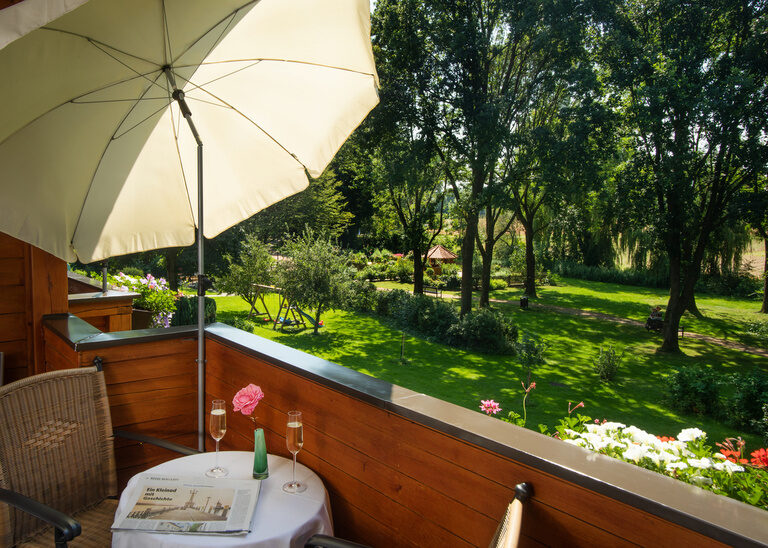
(280, 519)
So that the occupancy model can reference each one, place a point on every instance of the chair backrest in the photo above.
(55, 445)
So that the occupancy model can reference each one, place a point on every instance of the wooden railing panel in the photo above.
(108, 312)
(396, 472)
(402, 469)
(152, 389)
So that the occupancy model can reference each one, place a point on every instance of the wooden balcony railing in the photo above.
(402, 468)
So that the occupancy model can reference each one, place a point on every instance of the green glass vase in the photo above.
(260, 466)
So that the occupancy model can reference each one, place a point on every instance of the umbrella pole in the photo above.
(201, 284)
(178, 96)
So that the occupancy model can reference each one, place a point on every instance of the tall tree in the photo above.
(556, 152)
(692, 76)
(481, 62)
(402, 132)
(321, 206)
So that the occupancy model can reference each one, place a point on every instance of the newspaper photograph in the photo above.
(168, 504)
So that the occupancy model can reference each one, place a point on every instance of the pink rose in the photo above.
(247, 399)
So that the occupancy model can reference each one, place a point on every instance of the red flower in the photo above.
(666, 438)
(760, 458)
(733, 456)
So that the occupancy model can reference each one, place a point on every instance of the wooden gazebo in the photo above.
(438, 255)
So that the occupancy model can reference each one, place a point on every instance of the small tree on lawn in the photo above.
(316, 274)
(254, 266)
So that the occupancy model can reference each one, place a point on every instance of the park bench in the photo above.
(436, 291)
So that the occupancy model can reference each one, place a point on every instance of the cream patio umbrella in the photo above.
(105, 106)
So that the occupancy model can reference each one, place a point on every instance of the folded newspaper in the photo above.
(189, 505)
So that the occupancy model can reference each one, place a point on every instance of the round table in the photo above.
(280, 519)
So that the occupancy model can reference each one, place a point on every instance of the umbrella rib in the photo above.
(260, 59)
(116, 136)
(94, 42)
(167, 51)
(176, 131)
(101, 157)
(230, 16)
(264, 131)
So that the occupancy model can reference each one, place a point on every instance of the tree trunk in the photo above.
(692, 307)
(764, 309)
(171, 271)
(675, 307)
(530, 261)
(317, 321)
(467, 254)
(485, 280)
(487, 255)
(418, 271)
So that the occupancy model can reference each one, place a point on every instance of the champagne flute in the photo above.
(218, 427)
(294, 439)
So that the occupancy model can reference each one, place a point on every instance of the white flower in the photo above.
(728, 466)
(719, 456)
(679, 465)
(641, 436)
(580, 442)
(690, 434)
(700, 463)
(635, 452)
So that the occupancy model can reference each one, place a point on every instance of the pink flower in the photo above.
(247, 399)
(489, 407)
(575, 407)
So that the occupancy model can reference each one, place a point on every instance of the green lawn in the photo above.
(368, 345)
(724, 317)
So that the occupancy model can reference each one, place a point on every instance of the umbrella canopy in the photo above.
(95, 159)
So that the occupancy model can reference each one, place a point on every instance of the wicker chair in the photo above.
(57, 460)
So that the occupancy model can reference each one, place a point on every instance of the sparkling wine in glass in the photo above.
(294, 439)
(218, 427)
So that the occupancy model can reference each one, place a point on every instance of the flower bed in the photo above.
(688, 457)
(155, 296)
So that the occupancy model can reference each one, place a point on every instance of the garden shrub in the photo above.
(761, 425)
(695, 390)
(362, 296)
(745, 404)
(186, 311)
(485, 331)
(607, 363)
(388, 301)
(742, 284)
(404, 271)
(758, 328)
(497, 283)
(244, 324)
(133, 271)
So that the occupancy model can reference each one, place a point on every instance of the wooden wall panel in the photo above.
(14, 327)
(108, 316)
(152, 389)
(394, 482)
(33, 283)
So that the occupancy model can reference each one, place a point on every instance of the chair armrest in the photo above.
(177, 447)
(67, 528)
(324, 541)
